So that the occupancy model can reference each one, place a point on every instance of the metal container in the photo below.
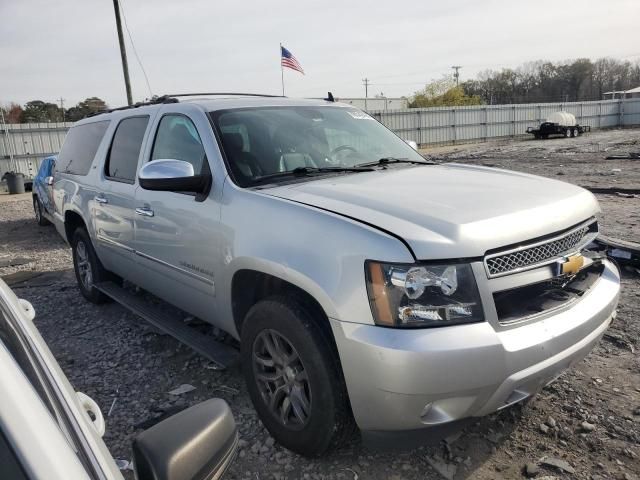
(15, 182)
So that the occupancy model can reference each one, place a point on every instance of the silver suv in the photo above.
(367, 286)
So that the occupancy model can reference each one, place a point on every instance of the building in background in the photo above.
(633, 93)
(377, 103)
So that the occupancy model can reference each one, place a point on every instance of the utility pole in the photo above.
(366, 83)
(456, 75)
(62, 107)
(123, 53)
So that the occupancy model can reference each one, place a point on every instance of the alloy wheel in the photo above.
(282, 379)
(84, 266)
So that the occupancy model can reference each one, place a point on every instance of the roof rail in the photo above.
(153, 101)
(223, 94)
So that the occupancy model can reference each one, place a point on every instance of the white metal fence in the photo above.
(23, 146)
(446, 125)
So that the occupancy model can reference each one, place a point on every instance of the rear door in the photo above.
(114, 203)
(177, 234)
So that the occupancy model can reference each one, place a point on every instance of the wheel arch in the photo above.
(249, 285)
(72, 221)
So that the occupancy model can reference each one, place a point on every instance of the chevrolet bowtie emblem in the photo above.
(570, 265)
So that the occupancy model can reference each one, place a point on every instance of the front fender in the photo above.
(321, 252)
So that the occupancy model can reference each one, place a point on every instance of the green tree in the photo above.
(85, 108)
(39, 111)
(441, 93)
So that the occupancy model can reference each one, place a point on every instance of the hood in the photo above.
(450, 210)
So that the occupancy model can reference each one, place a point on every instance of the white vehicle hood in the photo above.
(450, 210)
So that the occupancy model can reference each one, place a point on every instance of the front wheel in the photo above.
(87, 266)
(294, 378)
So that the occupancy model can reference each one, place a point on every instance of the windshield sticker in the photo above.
(357, 114)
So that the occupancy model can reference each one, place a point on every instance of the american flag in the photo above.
(288, 60)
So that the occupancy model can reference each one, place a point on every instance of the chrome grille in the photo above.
(540, 253)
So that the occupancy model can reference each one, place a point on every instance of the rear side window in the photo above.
(80, 147)
(178, 139)
(122, 161)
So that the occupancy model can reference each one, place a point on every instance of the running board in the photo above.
(221, 354)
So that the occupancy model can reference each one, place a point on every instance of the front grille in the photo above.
(541, 252)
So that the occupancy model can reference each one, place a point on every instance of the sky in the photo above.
(69, 48)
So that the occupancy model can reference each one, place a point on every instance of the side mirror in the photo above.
(171, 175)
(197, 443)
(412, 144)
(49, 180)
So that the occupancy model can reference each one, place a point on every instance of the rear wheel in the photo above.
(567, 132)
(87, 266)
(294, 378)
(37, 208)
(574, 132)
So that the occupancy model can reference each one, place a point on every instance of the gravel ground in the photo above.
(586, 425)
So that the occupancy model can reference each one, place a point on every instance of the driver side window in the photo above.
(178, 139)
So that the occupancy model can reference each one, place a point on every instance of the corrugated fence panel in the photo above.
(631, 112)
(442, 125)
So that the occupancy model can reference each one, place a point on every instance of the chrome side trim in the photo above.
(588, 238)
(205, 280)
(113, 243)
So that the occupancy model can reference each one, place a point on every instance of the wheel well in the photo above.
(248, 287)
(71, 222)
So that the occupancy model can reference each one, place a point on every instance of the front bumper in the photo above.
(413, 379)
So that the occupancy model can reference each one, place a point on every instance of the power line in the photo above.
(456, 75)
(366, 83)
(62, 107)
(135, 51)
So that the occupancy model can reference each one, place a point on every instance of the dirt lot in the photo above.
(587, 423)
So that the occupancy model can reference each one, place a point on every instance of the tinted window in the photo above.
(178, 139)
(80, 147)
(125, 148)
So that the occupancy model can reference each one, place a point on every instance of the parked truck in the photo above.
(559, 123)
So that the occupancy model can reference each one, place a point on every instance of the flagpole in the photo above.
(281, 69)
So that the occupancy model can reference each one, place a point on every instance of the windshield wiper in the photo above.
(301, 171)
(387, 160)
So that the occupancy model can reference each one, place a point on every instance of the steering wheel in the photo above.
(342, 148)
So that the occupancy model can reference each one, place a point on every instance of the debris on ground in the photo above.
(557, 463)
(623, 156)
(182, 389)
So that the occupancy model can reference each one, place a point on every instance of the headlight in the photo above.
(413, 296)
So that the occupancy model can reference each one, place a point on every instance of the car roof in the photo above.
(210, 103)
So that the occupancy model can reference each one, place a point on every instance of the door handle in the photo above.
(100, 199)
(145, 212)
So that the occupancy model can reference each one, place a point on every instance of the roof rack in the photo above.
(223, 94)
(153, 101)
(171, 98)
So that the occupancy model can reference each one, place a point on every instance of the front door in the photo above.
(176, 233)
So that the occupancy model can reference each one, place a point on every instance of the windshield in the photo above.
(269, 140)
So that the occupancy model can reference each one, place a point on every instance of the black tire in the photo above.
(87, 266)
(325, 419)
(574, 132)
(567, 132)
(37, 209)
